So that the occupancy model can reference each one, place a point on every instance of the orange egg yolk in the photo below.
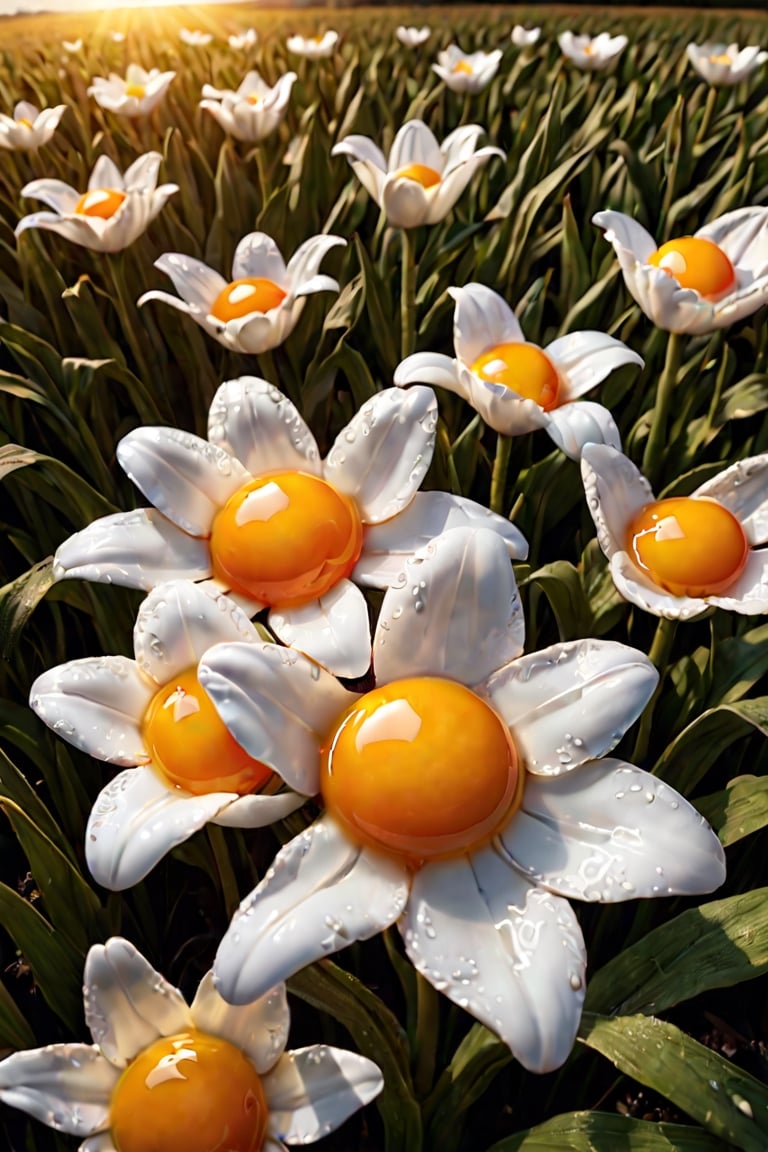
(696, 263)
(688, 546)
(254, 99)
(421, 173)
(422, 769)
(137, 90)
(242, 297)
(524, 369)
(462, 66)
(286, 538)
(102, 202)
(189, 1093)
(189, 745)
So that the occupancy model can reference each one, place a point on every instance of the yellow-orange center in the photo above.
(462, 66)
(103, 202)
(721, 59)
(242, 297)
(696, 263)
(523, 368)
(189, 1093)
(688, 546)
(254, 99)
(421, 769)
(421, 173)
(137, 90)
(189, 745)
(25, 122)
(286, 538)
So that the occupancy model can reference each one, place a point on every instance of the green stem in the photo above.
(717, 391)
(499, 475)
(659, 657)
(427, 1024)
(224, 868)
(656, 441)
(706, 119)
(407, 295)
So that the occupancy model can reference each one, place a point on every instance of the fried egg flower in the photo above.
(254, 110)
(28, 128)
(136, 95)
(422, 180)
(680, 556)
(261, 305)
(467, 71)
(255, 507)
(245, 39)
(114, 211)
(313, 47)
(181, 768)
(72, 46)
(725, 64)
(523, 37)
(195, 38)
(166, 1075)
(592, 53)
(464, 800)
(696, 283)
(412, 37)
(516, 386)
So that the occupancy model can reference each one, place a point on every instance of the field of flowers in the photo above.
(462, 268)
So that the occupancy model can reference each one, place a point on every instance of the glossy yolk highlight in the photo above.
(524, 369)
(421, 173)
(688, 546)
(696, 263)
(421, 769)
(137, 90)
(189, 1093)
(189, 745)
(242, 297)
(102, 202)
(286, 538)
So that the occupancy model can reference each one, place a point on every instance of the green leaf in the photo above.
(562, 586)
(18, 601)
(14, 1030)
(688, 758)
(739, 810)
(476, 1061)
(603, 1132)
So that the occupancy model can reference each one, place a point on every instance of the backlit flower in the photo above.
(136, 95)
(260, 306)
(592, 53)
(255, 507)
(313, 47)
(28, 128)
(164, 1075)
(254, 110)
(245, 39)
(149, 716)
(725, 63)
(516, 386)
(72, 46)
(195, 38)
(422, 180)
(467, 71)
(694, 283)
(464, 798)
(522, 37)
(117, 37)
(679, 556)
(412, 37)
(114, 211)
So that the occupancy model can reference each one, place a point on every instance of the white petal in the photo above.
(450, 188)
(610, 832)
(362, 150)
(616, 492)
(194, 281)
(258, 811)
(749, 594)
(635, 586)
(257, 255)
(277, 704)
(312, 1091)
(500, 407)
(259, 1029)
(84, 230)
(481, 320)
(185, 477)
(456, 614)
(66, 1086)
(415, 143)
(572, 701)
(571, 426)
(405, 202)
(743, 236)
(55, 193)
(511, 954)
(303, 266)
(260, 427)
(382, 456)
(97, 704)
(141, 176)
(743, 489)
(128, 1005)
(105, 174)
(427, 368)
(179, 621)
(139, 549)
(333, 630)
(583, 359)
(136, 820)
(626, 232)
(100, 1142)
(321, 893)
(387, 546)
(737, 305)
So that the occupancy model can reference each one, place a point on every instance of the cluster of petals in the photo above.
(725, 64)
(245, 39)
(129, 1007)
(313, 47)
(394, 184)
(467, 71)
(742, 235)
(379, 460)
(254, 110)
(135, 196)
(523, 37)
(482, 321)
(411, 36)
(257, 258)
(29, 128)
(195, 38)
(490, 926)
(617, 491)
(592, 53)
(135, 95)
